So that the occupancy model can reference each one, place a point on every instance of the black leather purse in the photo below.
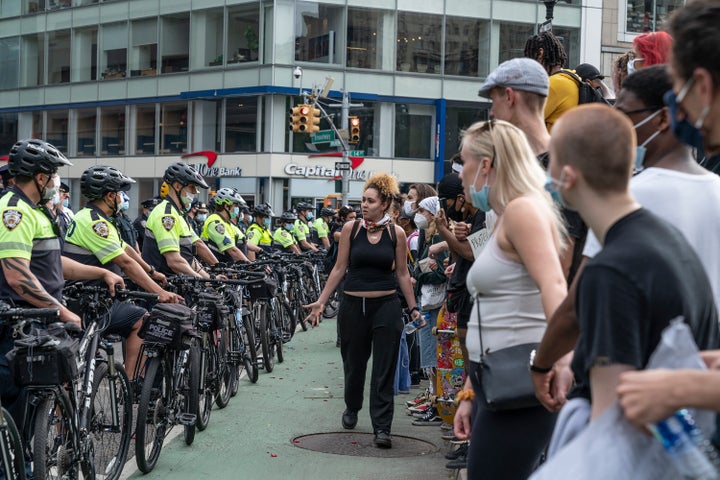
(504, 375)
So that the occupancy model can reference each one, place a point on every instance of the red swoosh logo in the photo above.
(211, 156)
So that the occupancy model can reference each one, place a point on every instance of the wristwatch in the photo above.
(534, 368)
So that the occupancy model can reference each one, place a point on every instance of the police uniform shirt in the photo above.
(240, 239)
(220, 234)
(29, 233)
(321, 227)
(283, 238)
(167, 231)
(258, 235)
(92, 239)
(301, 230)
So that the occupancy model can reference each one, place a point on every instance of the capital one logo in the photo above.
(210, 156)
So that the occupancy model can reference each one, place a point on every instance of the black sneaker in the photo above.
(430, 418)
(349, 419)
(383, 439)
(457, 453)
(460, 462)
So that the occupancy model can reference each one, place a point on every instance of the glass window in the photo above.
(319, 32)
(207, 34)
(59, 56)
(33, 6)
(466, 41)
(241, 121)
(206, 124)
(364, 38)
(513, 37)
(9, 63)
(86, 123)
(645, 16)
(145, 129)
(8, 131)
(175, 43)
(243, 38)
(33, 60)
(413, 133)
(85, 61)
(570, 38)
(114, 50)
(112, 131)
(10, 8)
(173, 127)
(457, 119)
(57, 129)
(143, 54)
(419, 42)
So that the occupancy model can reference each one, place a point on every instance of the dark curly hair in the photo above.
(554, 54)
(649, 85)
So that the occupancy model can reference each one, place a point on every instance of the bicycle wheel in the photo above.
(288, 320)
(152, 421)
(53, 451)
(224, 370)
(190, 385)
(111, 441)
(250, 357)
(297, 303)
(332, 307)
(13, 461)
(207, 391)
(235, 361)
(264, 333)
(276, 335)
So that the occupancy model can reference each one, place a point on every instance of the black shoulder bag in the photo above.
(504, 375)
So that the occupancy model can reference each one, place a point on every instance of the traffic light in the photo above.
(354, 130)
(313, 119)
(296, 118)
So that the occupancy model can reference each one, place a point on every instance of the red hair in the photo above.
(654, 47)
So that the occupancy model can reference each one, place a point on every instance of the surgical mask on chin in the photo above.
(480, 199)
(640, 150)
(420, 221)
(684, 131)
(407, 208)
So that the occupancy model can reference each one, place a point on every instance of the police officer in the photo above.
(302, 230)
(124, 225)
(141, 220)
(258, 233)
(218, 230)
(93, 239)
(7, 179)
(169, 240)
(283, 238)
(191, 216)
(30, 256)
(321, 226)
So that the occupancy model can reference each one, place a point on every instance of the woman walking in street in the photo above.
(372, 257)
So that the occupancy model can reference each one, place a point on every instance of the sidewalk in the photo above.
(252, 438)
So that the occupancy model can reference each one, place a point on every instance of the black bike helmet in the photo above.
(327, 212)
(31, 156)
(263, 210)
(345, 211)
(227, 196)
(288, 216)
(184, 174)
(302, 206)
(96, 181)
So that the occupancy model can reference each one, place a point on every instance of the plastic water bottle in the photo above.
(412, 326)
(691, 453)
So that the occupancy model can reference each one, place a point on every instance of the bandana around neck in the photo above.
(373, 227)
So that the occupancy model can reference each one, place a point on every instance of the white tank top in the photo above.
(509, 302)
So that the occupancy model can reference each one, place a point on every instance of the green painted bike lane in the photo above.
(252, 438)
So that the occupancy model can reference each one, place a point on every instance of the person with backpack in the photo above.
(372, 257)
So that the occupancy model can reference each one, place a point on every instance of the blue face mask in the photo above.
(289, 227)
(641, 150)
(551, 186)
(66, 203)
(249, 220)
(235, 212)
(310, 215)
(202, 217)
(685, 132)
(267, 223)
(125, 205)
(480, 199)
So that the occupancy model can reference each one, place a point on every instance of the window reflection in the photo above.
(364, 38)
(112, 131)
(419, 42)
(243, 34)
(176, 43)
(57, 129)
(319, 31)
(644, 16)
(413, 132)
(173, 128)
(59, 56)
(86, 123)
(241, 124)
(145, 129)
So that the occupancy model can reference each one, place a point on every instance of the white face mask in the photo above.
(421, 222)
(52, 193)
(407, 208)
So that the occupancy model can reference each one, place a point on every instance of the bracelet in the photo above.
(462, 395)
(534, 368)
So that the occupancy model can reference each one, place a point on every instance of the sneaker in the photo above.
(418, 400)
(460, 462)
(447, 427)
(349, 419)
(421, 409)
(461, 451)
(430, 418)
(449, 435)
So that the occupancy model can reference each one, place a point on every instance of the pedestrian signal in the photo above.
(354, 130)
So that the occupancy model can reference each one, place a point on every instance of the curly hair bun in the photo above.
(385, 184)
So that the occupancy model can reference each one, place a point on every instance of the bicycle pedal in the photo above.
(187, 419)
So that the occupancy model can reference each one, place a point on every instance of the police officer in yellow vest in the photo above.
(169, 240)
(93, 239)
(283, 238)
(302, 230)
(258, 233)
(219, 232)
(33, 269)
(321, 226)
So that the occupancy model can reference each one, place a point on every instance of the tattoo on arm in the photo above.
(27, 284)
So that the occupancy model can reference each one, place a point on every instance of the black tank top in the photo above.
(371, 266)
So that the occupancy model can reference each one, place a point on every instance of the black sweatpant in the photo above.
(370, 325)
(505, 444)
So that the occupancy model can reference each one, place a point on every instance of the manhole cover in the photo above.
(361, 445)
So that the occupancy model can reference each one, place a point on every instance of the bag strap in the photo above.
(482, 348)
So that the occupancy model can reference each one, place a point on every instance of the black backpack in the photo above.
(586, 92)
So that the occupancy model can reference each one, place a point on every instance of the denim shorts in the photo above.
(428, 341)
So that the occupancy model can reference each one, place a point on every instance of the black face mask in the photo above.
(451, 212)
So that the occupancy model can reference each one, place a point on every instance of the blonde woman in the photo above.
(518, 282)
(372, 257)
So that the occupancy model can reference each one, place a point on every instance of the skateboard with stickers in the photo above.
(450, 365)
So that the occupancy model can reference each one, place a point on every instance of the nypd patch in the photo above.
(101, 229)
(168, 223)
(12, 218)
(250, 235)
(220, 228)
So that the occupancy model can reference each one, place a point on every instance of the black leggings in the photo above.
(371, 325)
(506, 445)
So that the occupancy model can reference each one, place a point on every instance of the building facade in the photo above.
(139, 83)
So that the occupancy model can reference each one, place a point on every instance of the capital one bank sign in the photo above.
(320, 171)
